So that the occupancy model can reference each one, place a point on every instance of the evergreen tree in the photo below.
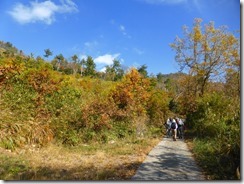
(89, 67)
(48, 53)
(143, 70)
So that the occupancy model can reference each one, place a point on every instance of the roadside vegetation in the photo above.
(62, 119)
(112, 161)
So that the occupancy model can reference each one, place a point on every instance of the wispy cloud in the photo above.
(123, 31)
(173, 2)
(138, 51)
(91, 44)
(41, 11)
(120, 27)
(198, 5)
(190, 5)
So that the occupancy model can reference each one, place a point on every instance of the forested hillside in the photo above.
(67, 102)
(48, 100)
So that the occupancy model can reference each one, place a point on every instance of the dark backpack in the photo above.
(173, 125)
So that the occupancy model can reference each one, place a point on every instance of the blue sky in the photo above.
(136, 32)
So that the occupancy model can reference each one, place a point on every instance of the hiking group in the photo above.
(175, 128)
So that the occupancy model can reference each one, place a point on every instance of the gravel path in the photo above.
(169, 160)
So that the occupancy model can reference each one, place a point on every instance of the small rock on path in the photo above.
(169, 160)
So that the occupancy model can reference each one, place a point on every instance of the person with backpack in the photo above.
(168, 127)
(180, 129)
(174, 127)
(177, 122)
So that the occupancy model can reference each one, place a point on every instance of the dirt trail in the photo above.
(169, 160)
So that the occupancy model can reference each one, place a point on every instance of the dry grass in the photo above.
(114, 161)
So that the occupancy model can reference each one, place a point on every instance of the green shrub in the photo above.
(217, 128)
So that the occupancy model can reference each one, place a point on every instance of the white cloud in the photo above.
(103, 69)
(106, 59)
(41, 11)
(68, 6)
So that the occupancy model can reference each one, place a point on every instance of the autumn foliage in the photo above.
(209, 95)
(39, 104)
(70, 103)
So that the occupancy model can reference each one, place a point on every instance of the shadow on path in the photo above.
(169, 160)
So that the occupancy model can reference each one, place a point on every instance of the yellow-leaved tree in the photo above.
(205, 53)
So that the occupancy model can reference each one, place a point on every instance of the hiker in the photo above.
(174, 127)
(180, 129)
(177, 122)
(168, 127)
